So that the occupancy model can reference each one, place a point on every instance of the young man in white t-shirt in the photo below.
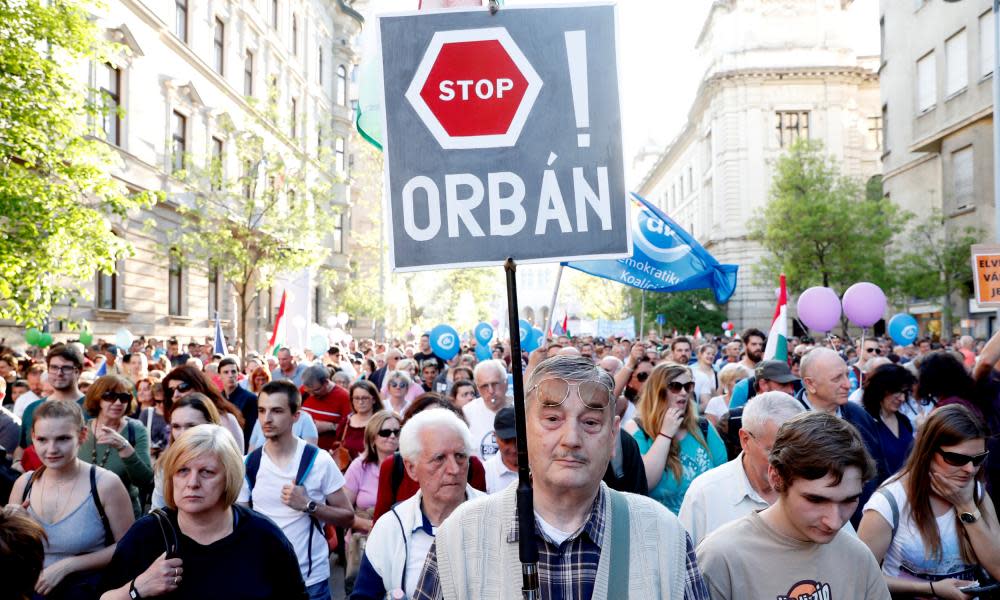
(796, 548)
(299, 510)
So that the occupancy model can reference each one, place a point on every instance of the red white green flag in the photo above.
(777, 337)
(277, 340)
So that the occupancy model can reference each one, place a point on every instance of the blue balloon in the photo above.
(444, 341)
(903, 329)
(483, 352)
(524, 331)
(483, 333)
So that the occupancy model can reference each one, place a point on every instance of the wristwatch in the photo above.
(132, 592)
(970, 517)
(311, 507)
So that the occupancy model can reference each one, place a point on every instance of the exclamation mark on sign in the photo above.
(576, 54)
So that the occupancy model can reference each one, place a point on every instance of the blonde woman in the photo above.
(676, 444)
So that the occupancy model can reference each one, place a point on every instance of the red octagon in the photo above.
(474, 88)
(465, 72)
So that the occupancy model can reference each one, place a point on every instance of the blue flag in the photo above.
(102, 370)
(665, 258)
(220, 339)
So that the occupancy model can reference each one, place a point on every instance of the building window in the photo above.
(885, 128)
(881, 37)
(875, 130)
(926, 83)
(247, 179)
(272, 92)
(220, 46)
(690, 179)
(791, 125)
(295, 118)
(957, 55)
(218, 163)
(338, 153)
(338, 233)
(248, 74)
(181, 23)
(107, 290)
(342, 85)
(319, 64)
(962, 188)
(175, 283)
(213, 290)
(178, 135)
(274, 14)
(295, 34)
(986, 44)
(111, 81)
(317, 304)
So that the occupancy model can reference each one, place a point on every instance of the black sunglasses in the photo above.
(182, 386)
(388, 432)
(875, 350)
(676, 387)
(123, 397)
(956, 459)
(642, 376)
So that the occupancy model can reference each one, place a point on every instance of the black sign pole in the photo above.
(527, 550)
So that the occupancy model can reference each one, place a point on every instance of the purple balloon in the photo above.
(864, 304)
(819, 308)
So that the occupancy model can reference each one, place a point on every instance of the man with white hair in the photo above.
(490, 377)
(435, 445)
(740, 486)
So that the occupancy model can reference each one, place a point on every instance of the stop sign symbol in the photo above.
(474, 88)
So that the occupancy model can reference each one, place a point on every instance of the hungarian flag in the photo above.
(697, 332)
(777, 337)
(278, 335)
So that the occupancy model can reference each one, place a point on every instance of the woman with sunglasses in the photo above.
(151, 413)
(885, 390)
(933, 525)
(676, 444)
(186, 379)
(400, 390)
(115, 441)
(381, 441)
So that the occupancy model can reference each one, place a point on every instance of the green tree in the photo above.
(599, 298)
(821, 227)
(683, 310)
(936, 264)
(265, 222)
(57, 196)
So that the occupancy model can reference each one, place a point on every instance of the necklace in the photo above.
(59, 493)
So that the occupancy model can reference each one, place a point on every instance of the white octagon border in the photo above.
(447, 141)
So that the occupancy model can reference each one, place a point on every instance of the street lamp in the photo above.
(996, 125)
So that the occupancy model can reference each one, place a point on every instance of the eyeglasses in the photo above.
(956, 459)
(388, 432)
(676, 387)
(112, 397)
(554, 391)
(397, 384)
(65, 370)
(182, 386)
(875, 350)
(365, 398)
(642, 376)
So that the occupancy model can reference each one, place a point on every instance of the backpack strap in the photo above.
(703, 425)
(109, 536)
(32, 476)
(252, 467)
(893, 507)
(309, 454)
(129, 432)
(397, 475)
(170, 544)
(618, 576)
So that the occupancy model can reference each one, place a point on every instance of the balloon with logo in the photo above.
(535, 339)
(819, 308)
(32, 336)
(864, 303)
(123, 339)
(483, 333)
(523, 332)
(444, 341)
(483, 352)
(903, 329)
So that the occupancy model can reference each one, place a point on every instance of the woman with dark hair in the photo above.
(151, 413)
(365, 402)
(943, 380)
(115, 441)
(186, 379)
(933, 525)
(886, 389)
(462, 392)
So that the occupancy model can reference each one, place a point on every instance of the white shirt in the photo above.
(498, 476)
(480, 419)
(703, 382)
(23, 401)
(717, 497)
(323, 479)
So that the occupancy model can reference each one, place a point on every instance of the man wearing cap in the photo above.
(501, 468)
(770, 375)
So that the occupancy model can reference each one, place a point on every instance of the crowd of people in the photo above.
(664, 467)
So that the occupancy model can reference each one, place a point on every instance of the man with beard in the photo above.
(753, 341)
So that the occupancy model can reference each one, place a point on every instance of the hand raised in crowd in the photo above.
(109, 437)
(294, 496)
(162, 577)
(672, 420)
(950, 589)
(638, 351)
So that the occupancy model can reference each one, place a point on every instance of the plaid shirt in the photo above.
(567, 570)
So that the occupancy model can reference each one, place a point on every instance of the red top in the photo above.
(408, 487)
(354, 439)
(332, 407)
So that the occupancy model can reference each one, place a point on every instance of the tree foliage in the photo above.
(683, 310)
(598, 298)
(936, 264)
(57, 197)
(821, 227)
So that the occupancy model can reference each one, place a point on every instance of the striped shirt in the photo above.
(567, 570)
